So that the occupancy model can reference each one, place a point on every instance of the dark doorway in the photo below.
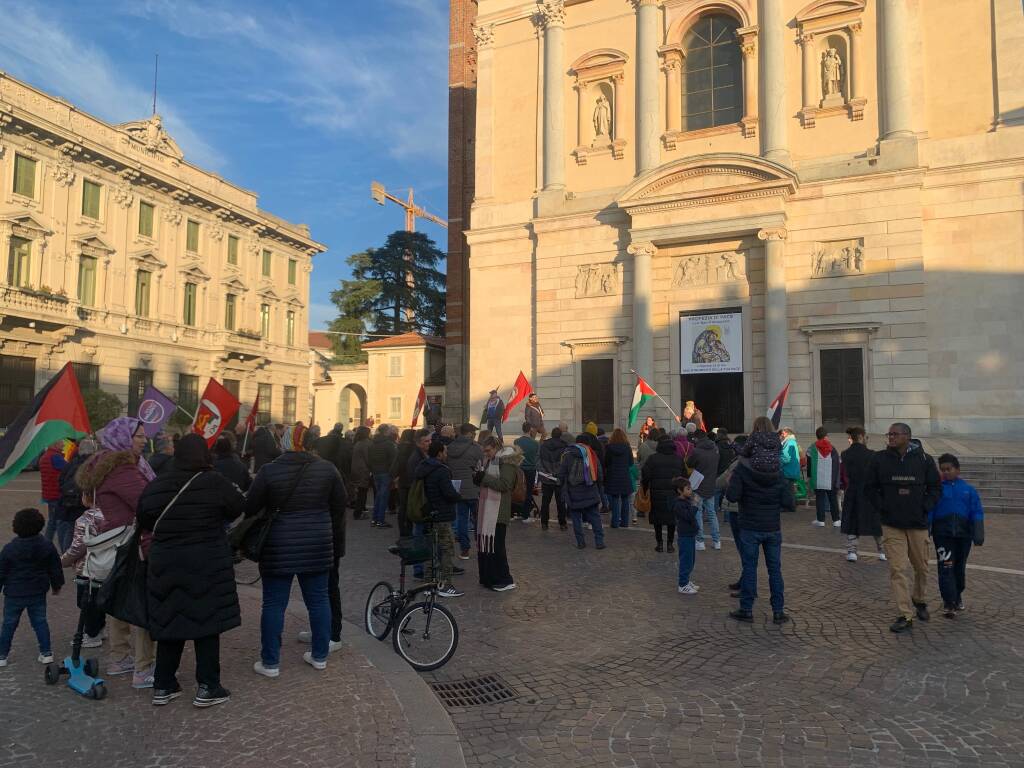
(719, 396)
(842, 389)
(597, 393)
(17, 386)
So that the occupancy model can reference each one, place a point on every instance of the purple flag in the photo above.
(154, 411)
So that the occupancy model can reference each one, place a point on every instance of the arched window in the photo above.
(712, 79)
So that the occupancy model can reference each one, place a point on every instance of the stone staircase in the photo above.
(999, 480)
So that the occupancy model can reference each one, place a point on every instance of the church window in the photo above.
(712, 81)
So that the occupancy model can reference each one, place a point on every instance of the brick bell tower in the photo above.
(461, 170)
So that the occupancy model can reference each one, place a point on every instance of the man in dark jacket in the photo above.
(903, 484)
(704, 459)
(580, 475)
(550, 459)
(465, 457)
(266, 445)
(380, 457)
(407, 461)
(441, 499)
(761, 497)
(327, 446)
(527, 443)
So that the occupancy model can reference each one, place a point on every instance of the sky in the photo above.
(303, 103)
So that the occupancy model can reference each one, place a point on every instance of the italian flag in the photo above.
(641, 395)
(56, 412)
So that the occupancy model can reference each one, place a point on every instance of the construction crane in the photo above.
(412, 211)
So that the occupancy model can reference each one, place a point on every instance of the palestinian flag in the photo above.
(775, 409)
(641, 395)
(56, 411)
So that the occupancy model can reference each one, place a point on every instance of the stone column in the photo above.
(648, 153)
(617, 107)
(895, 69)
(856, 62)
(580, 88)
(748, 46)
(776, 323)
(5, 249)
(811, 72)
(485, 109)
(643, 338)
(552, 14)
(774, 114)
(673, 95)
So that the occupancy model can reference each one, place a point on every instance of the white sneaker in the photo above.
(308, 658)
(687, 590)
(3, 661)
(447, 590)
(836, 523)
(506, 588)
(882, 557)
(817, 523)
(45, 658)
(700, 546)
(305, 636)
(530, 520)
(91, 642)
(851, 556)
(717, 545)
(335, 645)
(259, 669)
(694, 586)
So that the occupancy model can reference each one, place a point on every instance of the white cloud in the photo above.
(40, 51)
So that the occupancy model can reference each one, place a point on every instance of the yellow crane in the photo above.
(412, 211)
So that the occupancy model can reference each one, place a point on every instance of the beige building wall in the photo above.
(916, 167)
(48, 319)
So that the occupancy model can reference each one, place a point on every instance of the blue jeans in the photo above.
(36, 608)
(826, 503)
(620, 511)
(687, 554)
(592, 516)
(276, 591)
(707, 507)
(750, 544)
(381, 489)
(52, 520)
(464, 511)
(495, 427)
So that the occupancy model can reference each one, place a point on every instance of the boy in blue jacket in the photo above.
(685, 513)
(956, 522)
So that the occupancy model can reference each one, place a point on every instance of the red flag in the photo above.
(519, 393)
(421, 400)
(775, 409)
(217, 407)
(250, 420)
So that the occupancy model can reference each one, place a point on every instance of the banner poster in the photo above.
(711, 343)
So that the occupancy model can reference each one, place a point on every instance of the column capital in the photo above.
(484, 35)
(638, 4)
(856, 27)
(773, 233)
(640, 249)
(805, 38)
(551, 13)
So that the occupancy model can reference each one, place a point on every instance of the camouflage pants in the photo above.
(446, 553)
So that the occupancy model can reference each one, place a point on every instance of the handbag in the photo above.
(642, 500)
(123, 594)
(249, 537)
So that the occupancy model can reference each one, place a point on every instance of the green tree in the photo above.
(387, 284)
(101, 406)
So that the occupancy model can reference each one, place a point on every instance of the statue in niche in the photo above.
(602, 121)
(832, 74)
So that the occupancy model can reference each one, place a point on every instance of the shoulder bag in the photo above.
(249, 537)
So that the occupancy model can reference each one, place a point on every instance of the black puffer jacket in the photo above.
(550, 456)
(437, 486)
(190, 578)
(234, 470)
(761, 495)
(310, 529)
(618, 458)
(657, 475)
(381, 454)
(704, 459)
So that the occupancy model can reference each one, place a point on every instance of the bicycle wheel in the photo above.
(426, 635)
(378, 616)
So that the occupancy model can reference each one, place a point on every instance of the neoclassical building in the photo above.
(729, 195)
(118, 255)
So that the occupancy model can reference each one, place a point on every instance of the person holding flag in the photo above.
(519, 392)
(494, 409)
(535, 415)
(641, 395)
(217, 407)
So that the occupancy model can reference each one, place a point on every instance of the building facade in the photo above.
(119, 256)
(731, 195)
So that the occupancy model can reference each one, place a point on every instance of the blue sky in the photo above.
(304, 103)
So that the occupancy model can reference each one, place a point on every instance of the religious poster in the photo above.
(711, 343)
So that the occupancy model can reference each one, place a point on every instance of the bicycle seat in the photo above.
(393, 549)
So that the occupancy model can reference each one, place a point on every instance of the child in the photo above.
(955, 523)
(823, 478)
(29, 565)
(763, 447)
(685, 512)
(87, 524)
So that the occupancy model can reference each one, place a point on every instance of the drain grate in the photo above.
(474, 692)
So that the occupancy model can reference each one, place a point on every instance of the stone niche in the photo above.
(599, 99)
(709, 269)
(838, 258)
(832, 60)
(597, 280)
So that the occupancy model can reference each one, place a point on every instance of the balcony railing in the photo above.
(33, 304)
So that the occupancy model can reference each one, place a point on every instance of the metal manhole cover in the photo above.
(474, 692)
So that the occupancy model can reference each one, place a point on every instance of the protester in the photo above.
(649, 446)
(656, 476)
(328, 447)
(704, 459)
(29, 567)
(790, 461)
(686, 516)
(266, 445)
(762, 447)
(726, 456)
(683, 444)
(494, 408)
(361, 477)
(903, 484)
(421, 442)
(306, 540)
(190, 579)
(88, 524)
(527, 443)
(823, 478)
(432, 413)
(860, 518)
(692, 415)
(226, 462)
(534, 415)
(762, 495)
(163, 453)
(956, 522)
(403, 471)
(71, 506)
(497, 479)
(618, 485)
(441, 498)
(50, 465)
(550, 456)
(465, 457)
(580, 476)
(380, 457)
(646, 428)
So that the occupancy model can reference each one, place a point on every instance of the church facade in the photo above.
(729, 196)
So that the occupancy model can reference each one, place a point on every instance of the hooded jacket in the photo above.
(903, 488)
(823, 466)
(550, 457)
(959, 514)
(437, 487)
(761, 497)
(704, 459)
(265, 447)
(657, 475)
(29, 566)
(530, 449)
(115, 478)
(790, 458)
(50, 465)
(464, 456)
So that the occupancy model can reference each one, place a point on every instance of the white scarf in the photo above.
(487, 511)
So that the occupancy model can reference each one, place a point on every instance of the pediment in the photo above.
(234, 283)
(706, 179)
(27, 222)
(148, 259)
(821, 9)
(293, 300)
(94, 242)
(268, 292)
(599, 58)
(195, 272)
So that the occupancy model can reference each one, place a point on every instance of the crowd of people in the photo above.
(467, 486)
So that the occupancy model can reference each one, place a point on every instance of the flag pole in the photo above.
(190, 415)
(660, 398)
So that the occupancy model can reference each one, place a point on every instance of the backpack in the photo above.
(575, 475)
(70, 493)
(101, 551)
(417, 508)
(519, 490)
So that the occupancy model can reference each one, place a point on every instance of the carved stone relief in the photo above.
(709, 269)
(835, 259)
(172, 214)
(63, 171)
(597, 280)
